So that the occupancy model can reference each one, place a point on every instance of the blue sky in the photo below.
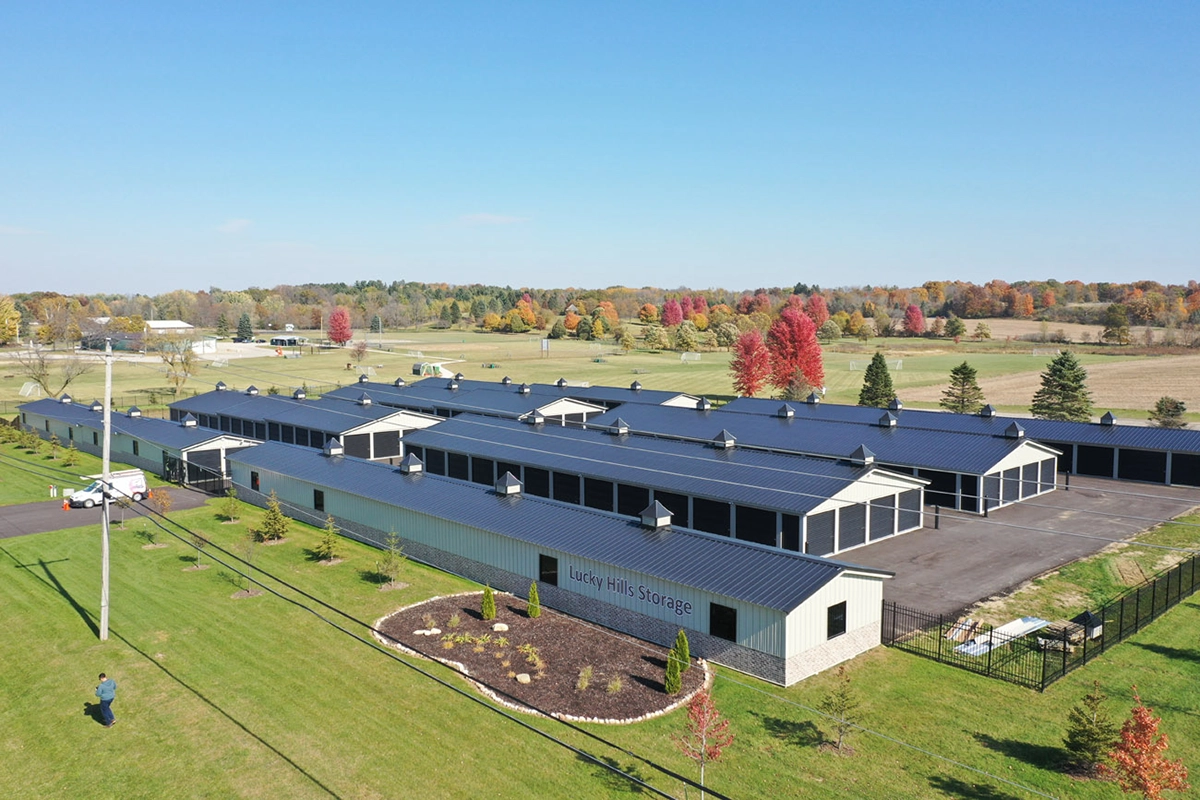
(149, 147)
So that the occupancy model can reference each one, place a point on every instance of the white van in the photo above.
(130, 483)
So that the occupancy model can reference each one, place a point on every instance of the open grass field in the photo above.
(256, 697)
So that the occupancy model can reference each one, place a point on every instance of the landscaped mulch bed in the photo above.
(566, 646)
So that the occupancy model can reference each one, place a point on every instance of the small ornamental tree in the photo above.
(751, 364)
(982, 331)
(1063, 394)
(963, 395)
(245, 330)
(71, 457)
(877, 388)
(1168, 413)
(55, 445)
(627, 340)
(376, 324)
(1138, 764)
(162, 500)
(534, 608)
(230, 508)
(327, 548)
(682, 651)
(673, 679)
(488, 607)
(707, 734)
(1091, 733)
(274, 524)
(340, 330)
(841, 705)
(914, 321)
(388, 567)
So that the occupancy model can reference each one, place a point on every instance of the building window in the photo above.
(547, 570)
(47, 426)
(318, 500)
(71, 434)
(96, 438)
(254, 481)
(836, 620)
(722, 621)
(135, 447)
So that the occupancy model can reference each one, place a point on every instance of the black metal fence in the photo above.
(1037, 659)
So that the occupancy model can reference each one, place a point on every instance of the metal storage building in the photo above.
(780, 616)
(809, 505)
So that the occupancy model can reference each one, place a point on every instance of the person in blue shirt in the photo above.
(107, 692)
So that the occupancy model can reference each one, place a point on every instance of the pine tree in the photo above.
(488, 609)
(245, 329)
(963, 395)
(388, 567)
(376, 324)
(71, 457)
(229, 506)
(682, 651)
(841, 704)
(327, 548)
(534, 607)
(584, 329)
(673, 680)
(1064, 394)
(274, 524)
(955, 327)
(1091, 733)
(558, 330)
(877, 388)
(1138, 764)
(222, 326)
(1168, 413)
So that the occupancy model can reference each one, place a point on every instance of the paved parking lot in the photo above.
(971, 558)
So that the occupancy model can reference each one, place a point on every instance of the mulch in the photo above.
(565, 645)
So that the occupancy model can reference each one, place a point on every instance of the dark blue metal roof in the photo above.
(902, 446)
(434, 394)
(331, 415)
(1093, 433)
(161, 432)
(788, 483)
(762, 576)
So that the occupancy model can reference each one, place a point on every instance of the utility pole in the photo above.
(106, 482)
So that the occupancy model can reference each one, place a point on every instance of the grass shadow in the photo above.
(1170, 652)
(52, 581)
(605, 770)
(953, 787)
(1047, 757)
(373, 577)
(801, 734)
(93, 710)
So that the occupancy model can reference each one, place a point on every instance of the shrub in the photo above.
(534, 609)
(585, 678)
(673, 681)
(393, 557)
(614, 686)
(428, 621)
(455, 620)
(488, 608)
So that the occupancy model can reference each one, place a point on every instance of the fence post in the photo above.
(991, 648)
(1066, 642)
(937, 517)
(893, 623)
(1153, 599)
(1067, 482)
(1137, 608)
(941, 636)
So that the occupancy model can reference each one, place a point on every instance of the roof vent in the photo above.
(724, 440)
(458, 376)
(656, 516)
(134, 411)
(561, 383)
(333, 447)
(813, 398)
(895, 405)
(364, 399)
(452, 385)
(636, 386)
(508, 485)
(862, 456)
(363, 378)
(66, 398)
(96, 406)
(536, 418)
(399, 382)
(988, 411)
(251, 390)
(188, 421)
(620, 427)
(786, 411)
(410, 465)
(1014, 431)
(523, 388)
(506, 381)
(703, 404)
(299, 394)
(220, 387)
(1109, 418)
(888, 420)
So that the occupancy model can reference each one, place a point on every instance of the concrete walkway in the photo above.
(971, 558)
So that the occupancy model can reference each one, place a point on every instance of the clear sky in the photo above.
(149, 147)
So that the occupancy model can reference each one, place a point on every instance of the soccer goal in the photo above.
(1045, 351)
(893, 364)
(31, 389)
(688, 358)
(368, 371)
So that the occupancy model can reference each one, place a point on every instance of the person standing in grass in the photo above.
(107, 692)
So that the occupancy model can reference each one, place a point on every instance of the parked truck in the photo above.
(129, 483)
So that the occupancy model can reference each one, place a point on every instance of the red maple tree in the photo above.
(340, 330)
(707, 734)
(914, 321)
(795, 351)
(672, 313)
(751, 364)
(1138, 763)
(817, 310)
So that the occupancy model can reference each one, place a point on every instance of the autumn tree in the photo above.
(672, 313)
(10, 320)
(963, 395)
(795, 351)
(1063, 394)
(1137, 762)
(817, 310)
(877, 388)
(914, 321)
(840, 706)
(340, 330)
(359, 351)
(982, 331)
(52, 373)
(707, 735)
(1116, 324)
(1168, 413)
(1091, 733)
(648, 313)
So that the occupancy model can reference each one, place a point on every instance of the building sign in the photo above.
(623, 587)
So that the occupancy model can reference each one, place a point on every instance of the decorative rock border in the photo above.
(488, 692)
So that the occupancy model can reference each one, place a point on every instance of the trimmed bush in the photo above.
(673, 682)
(682, 651)
(534, 609)
(489, 604)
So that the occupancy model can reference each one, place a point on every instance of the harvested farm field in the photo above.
(575, 669)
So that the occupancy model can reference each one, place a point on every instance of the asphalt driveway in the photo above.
(48, 515)
(971, 558)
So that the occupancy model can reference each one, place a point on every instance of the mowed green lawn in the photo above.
(255, 697)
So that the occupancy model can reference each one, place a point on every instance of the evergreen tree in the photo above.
(376, 324)
(584, 329)
(877, 388)
(963, 395)
(1168, 413)
(955, 327)
(327, 548)
(274, 524)
(1064, 394)
(673, 680)
(534, 608)
(222, 326)
(388, 567)
(682, 651)
(1091, 733)
(558, 330)
(71, 457)
(488, 609)
(230, 506)
(245, 329)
